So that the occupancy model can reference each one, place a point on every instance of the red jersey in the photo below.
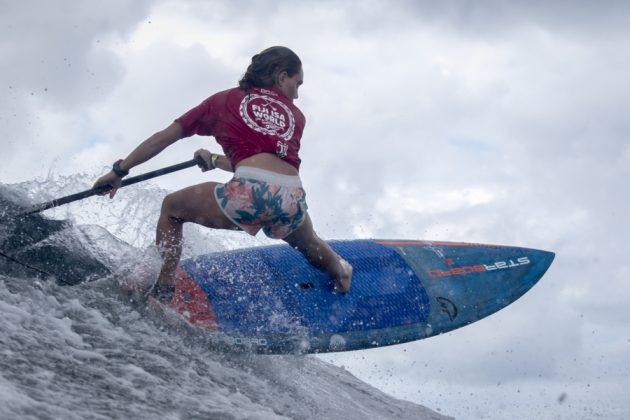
(260, 120)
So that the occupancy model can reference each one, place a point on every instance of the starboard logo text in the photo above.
(480, 268)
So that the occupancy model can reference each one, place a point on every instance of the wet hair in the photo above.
(267, 65)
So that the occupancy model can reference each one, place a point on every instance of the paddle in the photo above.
(104, 188)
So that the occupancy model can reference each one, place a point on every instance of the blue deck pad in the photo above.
(274, 290)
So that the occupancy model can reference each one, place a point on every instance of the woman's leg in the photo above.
(195, 204)
(320, 254)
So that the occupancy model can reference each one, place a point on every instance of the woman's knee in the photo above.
(303, 236)
(305, 240)
(170, 206)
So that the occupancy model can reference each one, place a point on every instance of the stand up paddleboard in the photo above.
(271, 300)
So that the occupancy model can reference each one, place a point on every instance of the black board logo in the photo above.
(448, 307)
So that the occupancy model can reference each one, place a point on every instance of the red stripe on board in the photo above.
(438, 243)
(192, 303)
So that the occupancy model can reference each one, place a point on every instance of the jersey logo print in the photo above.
(268, 116)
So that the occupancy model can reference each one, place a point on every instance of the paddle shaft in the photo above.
(104, 188)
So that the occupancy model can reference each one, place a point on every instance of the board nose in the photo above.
(541, 262)
(545, 259)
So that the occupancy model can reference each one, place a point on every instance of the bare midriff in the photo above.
(269, 162)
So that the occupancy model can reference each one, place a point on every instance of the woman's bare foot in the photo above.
(164, 288)
(137, 284)
(344, 276)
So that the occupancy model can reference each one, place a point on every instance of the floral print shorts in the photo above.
(257, 199)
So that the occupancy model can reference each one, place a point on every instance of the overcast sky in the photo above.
(477, 121)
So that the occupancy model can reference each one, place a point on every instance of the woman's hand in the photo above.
(208, 163)
(109, 178)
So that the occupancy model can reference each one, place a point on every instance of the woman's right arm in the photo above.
(213, 161)
(145, 151)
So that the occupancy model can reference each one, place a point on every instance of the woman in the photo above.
(259, 129)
